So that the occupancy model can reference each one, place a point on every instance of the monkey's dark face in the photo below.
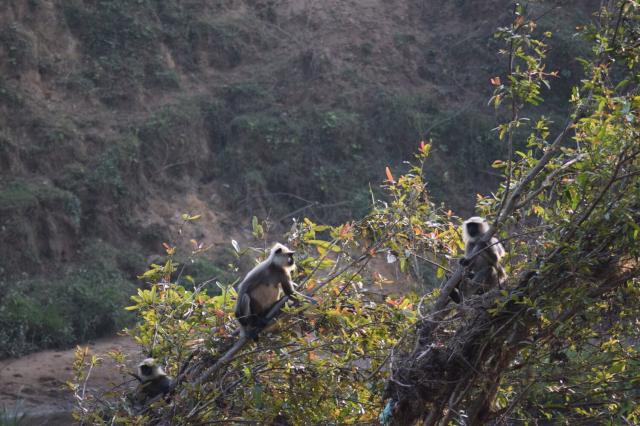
(285, 260)
(146, 370)
(149, 370)
(473, 229)
(283, 257)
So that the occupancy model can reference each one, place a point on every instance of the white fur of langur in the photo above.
(260, 289)
(153, 380)
(486, 271)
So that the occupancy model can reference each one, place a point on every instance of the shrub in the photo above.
(21, 195)
(81, 303)
(173, 142)
(19, 47)
(109, 174)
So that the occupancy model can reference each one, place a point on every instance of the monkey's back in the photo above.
(161, 385)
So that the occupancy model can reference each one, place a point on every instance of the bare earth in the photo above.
(35, 384)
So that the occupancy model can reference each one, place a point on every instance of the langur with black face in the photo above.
(482, 258)
(260, 289)
(154, 381)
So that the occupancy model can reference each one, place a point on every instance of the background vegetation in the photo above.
(113, 110)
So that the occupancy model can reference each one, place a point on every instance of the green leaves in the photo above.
(323, 246)
(189, 218)
(257, 228)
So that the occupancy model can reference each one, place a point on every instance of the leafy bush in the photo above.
(17, 196)
(21, 195)
(9, 95)
(172, 143)
(200, 270)
(251, 136)
(19, 47)
(80, 304)
(112, 172)
(122, 40)
(400, 118)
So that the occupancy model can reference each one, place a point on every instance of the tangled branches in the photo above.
(577, 211)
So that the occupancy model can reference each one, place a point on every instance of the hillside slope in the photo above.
(117, 116)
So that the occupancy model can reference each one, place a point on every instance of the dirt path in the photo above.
(35, 384)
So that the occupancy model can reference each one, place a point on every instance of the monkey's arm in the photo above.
(288, 287)
(489, 253)
(468, 252)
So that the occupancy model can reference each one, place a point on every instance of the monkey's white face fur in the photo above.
(282, 256)
(149, 370)
(479, 226)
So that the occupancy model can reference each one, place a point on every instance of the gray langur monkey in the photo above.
(260, 289)
(482, 258)
(154, 381)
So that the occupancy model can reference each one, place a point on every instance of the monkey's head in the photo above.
(474, 227)
(148, 369)
(282, 256)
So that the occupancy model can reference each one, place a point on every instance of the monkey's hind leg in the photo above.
(248, 322)
(251, 333)
(257, 325)
(243, 310)
(481, 276)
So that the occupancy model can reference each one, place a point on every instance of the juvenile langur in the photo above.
(153, 381)
(483, 259)
(260, 289)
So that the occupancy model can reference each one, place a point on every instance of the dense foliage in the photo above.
(558, 342)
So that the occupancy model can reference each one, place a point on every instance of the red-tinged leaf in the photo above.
(390, 178)
(496, 81)
(344, 230)
(165, 245)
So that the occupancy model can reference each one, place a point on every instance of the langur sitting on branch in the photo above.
(260, 289)
(154, 382)
(482, 258)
